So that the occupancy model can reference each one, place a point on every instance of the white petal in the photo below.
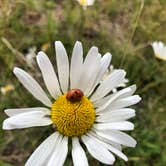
(32, 86)
(109, 147)
(60, 153)
(124, 125)
(117, 152)
(104, 63)
(159, 50)
(28, 119)
(97, 150)
(160, 44)
(125, 102)
(43, 152)
(113, 143)
(12, 112)
(113, 98)
(62, 65)
(102, 101)
(78, 154)
(118, 137)
(76, 65)
(130, 93)
(156, 47)
(127, 93)
(89, 70)
(114, 79)
(116, 115)
(49, 75)
(99, 55)
(91, 84)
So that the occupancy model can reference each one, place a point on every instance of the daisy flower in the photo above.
(29, 57)
(159, 50)
(86, 3)
(7, 88)
(82, 108)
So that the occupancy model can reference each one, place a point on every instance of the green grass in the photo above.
(124, 28)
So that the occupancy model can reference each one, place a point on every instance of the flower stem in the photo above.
(138, 15)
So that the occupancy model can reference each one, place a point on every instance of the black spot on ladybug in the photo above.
(74, 95)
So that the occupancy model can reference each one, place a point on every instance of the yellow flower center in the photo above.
(83, 2)
(72, 118)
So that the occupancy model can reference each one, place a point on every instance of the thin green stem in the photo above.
(138, 15)
(83, 19)
(20, 57)
(142, 46)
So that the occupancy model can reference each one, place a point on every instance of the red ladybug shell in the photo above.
(74, 95)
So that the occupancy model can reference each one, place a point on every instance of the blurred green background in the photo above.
(124, 28)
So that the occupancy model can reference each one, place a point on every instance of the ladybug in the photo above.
(74, 95)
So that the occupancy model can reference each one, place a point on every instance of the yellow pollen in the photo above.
(72, 118)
